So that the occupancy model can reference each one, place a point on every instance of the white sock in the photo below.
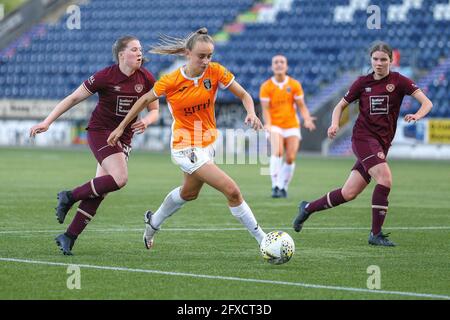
(285, 176)
(170, 205)
(245, 216)
(275, 166)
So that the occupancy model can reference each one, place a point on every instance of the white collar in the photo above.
(193, 79)
(280, 84)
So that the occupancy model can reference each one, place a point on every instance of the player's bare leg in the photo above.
(173, 202)
(212, 175)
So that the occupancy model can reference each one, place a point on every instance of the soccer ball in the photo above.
(277, 247)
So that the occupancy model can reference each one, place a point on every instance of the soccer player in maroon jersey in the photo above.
(118, 86)
(380, 95)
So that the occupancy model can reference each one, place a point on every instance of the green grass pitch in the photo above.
(202, 252)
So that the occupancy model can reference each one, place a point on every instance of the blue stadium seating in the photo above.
(56, 60)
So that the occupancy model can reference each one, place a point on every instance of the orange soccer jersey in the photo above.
(281, 97)
(191, 102)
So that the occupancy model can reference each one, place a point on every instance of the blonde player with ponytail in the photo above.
(190, 93)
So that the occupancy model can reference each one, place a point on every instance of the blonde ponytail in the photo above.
(178, 46)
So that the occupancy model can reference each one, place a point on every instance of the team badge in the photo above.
(368, 89)
(207, 84)
(288, 89)
(139, 87)
(390, 87)
(116, 88)
(381, 155)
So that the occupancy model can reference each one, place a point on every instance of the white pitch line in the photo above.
(204, 276)
(229, 229)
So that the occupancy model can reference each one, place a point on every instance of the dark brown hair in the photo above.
(383, 47)
(120, 45)
(178, 46)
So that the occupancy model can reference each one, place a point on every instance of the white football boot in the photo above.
(149, 231)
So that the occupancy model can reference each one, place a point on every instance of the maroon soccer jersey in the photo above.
(117, 93)
(379, 105)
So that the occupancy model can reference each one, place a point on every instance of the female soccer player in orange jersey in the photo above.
(279, 96)
(190, 93)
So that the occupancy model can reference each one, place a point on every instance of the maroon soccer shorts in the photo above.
(101, 149)
(369, 153)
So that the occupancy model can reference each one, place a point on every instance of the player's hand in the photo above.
(253, 121)
(114, 136)
(309, 124)
(411, 117)
(39, 128)
(139, 126)
(332, 131)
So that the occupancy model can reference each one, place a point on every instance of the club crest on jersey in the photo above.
(139, 87)
(207, 84)
(116, 88)
(288, 89)
(390, 87)
(381, 155)
(368, 89)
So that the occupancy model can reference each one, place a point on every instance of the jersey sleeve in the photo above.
(96, 82)
(264, 94)
(149, 78)
(160, 87)
(407, 85)
(354, 92)
(225, 77)
(298, 91)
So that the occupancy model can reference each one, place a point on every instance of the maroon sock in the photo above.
(86, 211)
(94, 188)
(379, 207)
(330, 200)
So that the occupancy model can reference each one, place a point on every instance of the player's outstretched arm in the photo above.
(266, 114)
(304, 111)
(251, 118)
(68, 102)
(138, 106)
(425, 107)
(153, 115)
(335, 118)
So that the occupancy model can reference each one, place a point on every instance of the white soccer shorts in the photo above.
(191, 159)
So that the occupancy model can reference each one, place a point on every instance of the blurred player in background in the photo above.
(380, 96)
(118, 86)
(190, 93)
(279, 97)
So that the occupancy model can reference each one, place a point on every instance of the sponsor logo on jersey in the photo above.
(139, 87)
(390, 87)
(182, 89)
(91, 80)
(368, 89)
(207, 84)
(116, 88)
(381, 155)
(191, 110)
(379, 104)
(124, 104)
